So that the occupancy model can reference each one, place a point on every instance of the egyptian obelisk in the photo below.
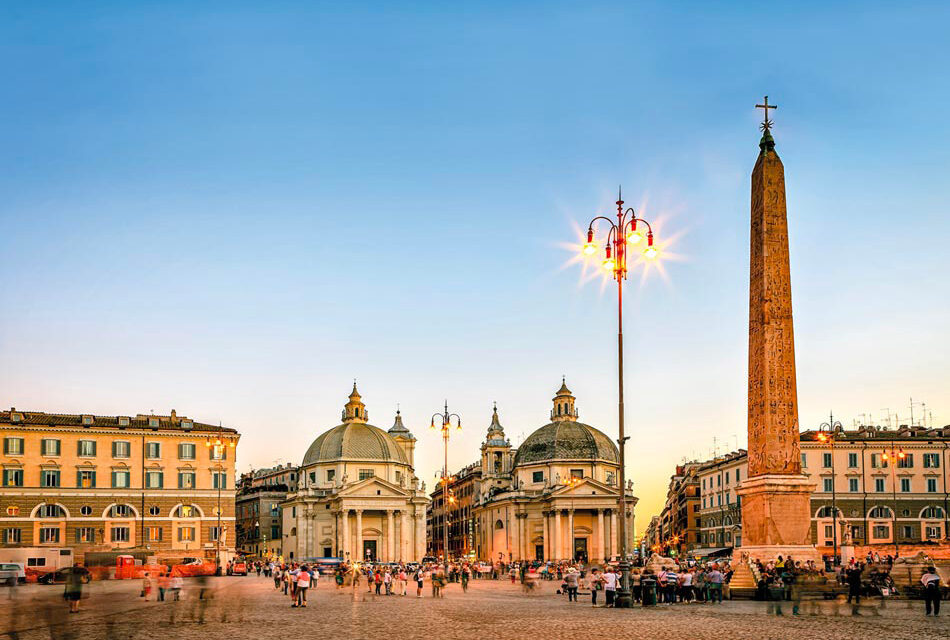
(776, 494)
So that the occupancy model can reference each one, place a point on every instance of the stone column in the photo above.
(390, 536)
(599, 536)
(420, 536)
(522, 543)
(614, 533)
(558, 536)
(570, 533)
(405, 537)
(545, 535)
(345, 516)
(359, 535)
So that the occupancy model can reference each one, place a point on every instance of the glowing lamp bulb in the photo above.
(590, 249)
(634, 237)
(609, 264)
(650, 253)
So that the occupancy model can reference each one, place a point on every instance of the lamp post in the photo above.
(445, 424)
(623, 236)
(216, 449)
(892, 457)
(827, 432)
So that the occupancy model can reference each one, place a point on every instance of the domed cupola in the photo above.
(354, 410)
(563, 410)
(496, 433)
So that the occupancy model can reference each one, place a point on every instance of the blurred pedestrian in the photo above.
(74, 581)
(931, 582)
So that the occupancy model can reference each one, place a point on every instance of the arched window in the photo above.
(121, 511)
(186, 511)
(499, 524)
(931, 512)
(293, 532)
(827, 512)
(727, 521)
(881, 512)
(50, 511)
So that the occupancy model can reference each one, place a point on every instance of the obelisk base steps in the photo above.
(776, 517)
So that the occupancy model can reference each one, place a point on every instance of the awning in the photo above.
(711, 552)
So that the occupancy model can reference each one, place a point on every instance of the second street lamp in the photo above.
(892, 458)
(827, 432)
(445, 424)
(623, 237)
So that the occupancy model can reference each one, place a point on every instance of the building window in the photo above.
(120, 534)
(907, 531)
(154, 511)
(932, 532)
(907, 462)
(881, 531)
(36, 562)
(932, 513)
(829, 531)
(50, 511)
(186, 480)
(153, 450)
(153, 423)
(49, 535)
(85, 510)
(153, 534)
(11, 536)
(274, 510)
(120, 479)
(86, 478)
(121, 449)
(931, 461)
(879, 485)
(13, 446)
(120, 511)
(123, 421)
(804, 461)
(828, 485)
(186, 534)
(853, 485)
(852, 460)
(877, 462)
(49, 478)
(931, 485)
(905, 485)
(826, 460)
(577, 473)
(214, 533)
(13, 477)
(186, 451)
(331, 474)
(881, 512)
(365, 474)
(85, 535)
(50, 447)
(186, 511)
(87, 420)
(154, 479)
(537, 476)
(86, 448)
(219, 480)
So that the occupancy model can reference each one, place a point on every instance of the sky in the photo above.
(234, 209)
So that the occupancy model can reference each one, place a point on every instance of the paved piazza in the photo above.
(251, 608)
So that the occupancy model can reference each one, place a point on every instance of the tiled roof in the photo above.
(165, 423)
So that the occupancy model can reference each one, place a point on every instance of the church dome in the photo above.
(354, 441)
(566, 440)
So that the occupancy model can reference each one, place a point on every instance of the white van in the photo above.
(12, 573)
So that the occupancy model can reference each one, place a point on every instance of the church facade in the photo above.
(552, 498)
(358, 497)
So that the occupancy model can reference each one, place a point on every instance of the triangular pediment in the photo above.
(373, 487)
(587, 487)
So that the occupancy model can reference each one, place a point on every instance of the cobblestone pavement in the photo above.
(250, 608)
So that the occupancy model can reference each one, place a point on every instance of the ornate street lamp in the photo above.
(623, 237)
(216, 448)
(827, 432)
(445, 424)
(893, 457)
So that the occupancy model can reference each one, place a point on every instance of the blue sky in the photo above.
(233, 209)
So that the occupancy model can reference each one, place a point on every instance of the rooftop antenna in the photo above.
(887, 412)
(735, 439)
(923, 410)
(715, 448)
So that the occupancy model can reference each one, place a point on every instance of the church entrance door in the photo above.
(369, 550)
(580, 550)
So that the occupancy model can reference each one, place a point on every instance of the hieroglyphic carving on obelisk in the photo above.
(773, 397)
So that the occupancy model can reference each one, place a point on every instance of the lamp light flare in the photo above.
(634, 237)
(609, 264)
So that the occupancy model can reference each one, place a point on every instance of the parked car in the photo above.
(12, 573)
(59, 576)
(239, 568)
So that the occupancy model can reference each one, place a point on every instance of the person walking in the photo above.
(303, 583)
(610, 586)
(596, 585)
(401, 579)
(570, 584)
(464, 574)
(854, 585)
(931, 582)
(714, 583)
(74, 580)
(419, 577)
(162, 585)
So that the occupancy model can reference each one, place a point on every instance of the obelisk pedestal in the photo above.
(776, 495)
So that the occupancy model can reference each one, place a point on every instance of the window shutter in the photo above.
(114, 449)
(93, 478)
(79, 447)
(161, 480)
(113, 473)
(181, 451)
(6, 446)
(94, 447)
(79, 479)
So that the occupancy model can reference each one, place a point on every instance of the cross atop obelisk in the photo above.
(766, 123)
